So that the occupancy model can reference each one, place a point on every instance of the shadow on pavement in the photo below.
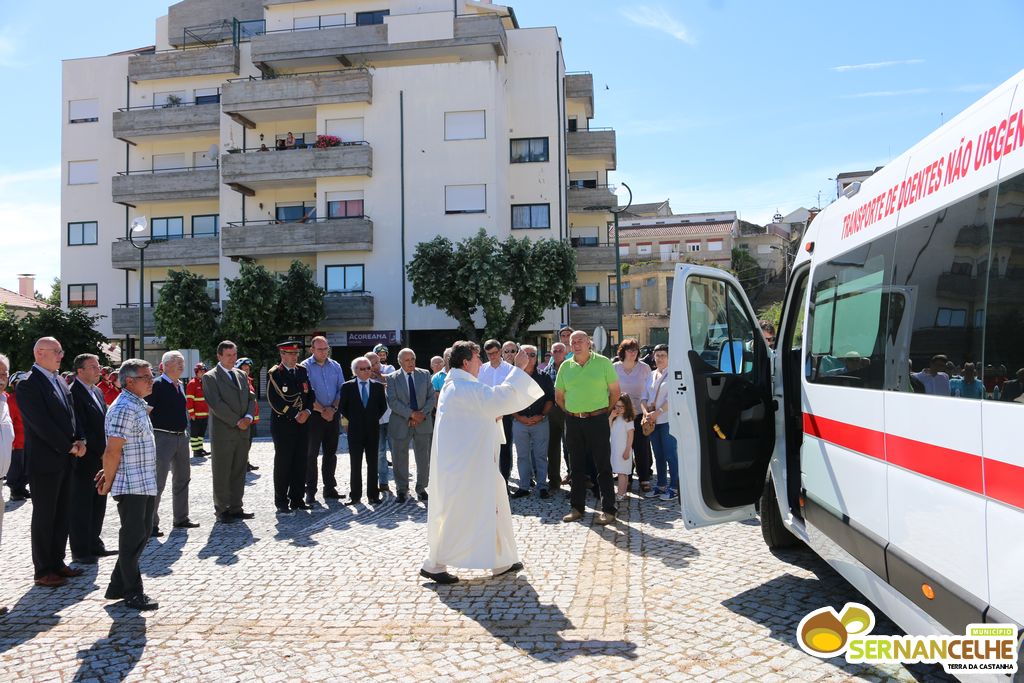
(158, 557)
(511, 611)
(113, 658)
(801, 595)
(225, 540)
(38, 610)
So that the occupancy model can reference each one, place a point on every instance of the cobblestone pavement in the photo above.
(335, 593)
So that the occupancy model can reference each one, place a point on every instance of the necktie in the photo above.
(412, 394)
(363, 394)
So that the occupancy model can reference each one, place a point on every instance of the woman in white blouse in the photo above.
(655, 406)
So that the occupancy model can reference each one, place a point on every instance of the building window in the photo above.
(168, 99)
(346, 130)
(372, 17)
(345, 208)
(167, 163)
(465, 198)
(643, 249)
(344, 278)
(213, 290)
(205, 226)
(81, 233)
(526, 150)
(295, 212)
(951, 317)
(83, 172)
(83, 111)
(82, 296)
(465, 125)
(584, 241)
(172, 228)
(207, 95)
(573, 124)
(714, 245)
(584, 295)
(531, 216)
(318, 22)
(693, 246)
(154, 291)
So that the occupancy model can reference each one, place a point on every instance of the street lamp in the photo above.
(139, 226)
(618, 264)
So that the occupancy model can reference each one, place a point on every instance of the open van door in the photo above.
(722, 410)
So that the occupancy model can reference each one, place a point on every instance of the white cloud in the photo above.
(658, 18)
(887, 93)
(8, 48)
(32, 175)
(869, 66)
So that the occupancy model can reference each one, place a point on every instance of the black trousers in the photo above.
(136, 513)
(556, 435)
(87, 511)
(291, 442)
(51, 502)
(364, 447)
(322, 434)
(17, 475)
(641, 450)
(505, 452)
(589, 442)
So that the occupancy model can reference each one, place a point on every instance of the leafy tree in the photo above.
(185, 316)
(11, 340)
(74, 329)
(482, 274)
(55, 289)
(300, 300)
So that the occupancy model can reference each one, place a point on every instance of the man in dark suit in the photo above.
(412, 399)
(363, 403)
(88, 506)
(232, 407)
(53, 440)
(291, 404)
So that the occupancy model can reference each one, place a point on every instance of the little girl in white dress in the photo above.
(621, 422)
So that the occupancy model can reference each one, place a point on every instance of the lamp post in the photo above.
(618, 264)
(139, 226)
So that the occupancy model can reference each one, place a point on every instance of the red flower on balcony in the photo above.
(325, 141)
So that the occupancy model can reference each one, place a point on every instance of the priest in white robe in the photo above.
(469, 521)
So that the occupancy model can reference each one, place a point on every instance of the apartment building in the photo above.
(695, 237)
(337, 132)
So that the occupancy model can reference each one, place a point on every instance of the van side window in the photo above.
(849, 309)
(721, 330)
(1003, 316)
(942, 262)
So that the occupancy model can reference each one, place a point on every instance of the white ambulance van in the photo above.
(888, 422)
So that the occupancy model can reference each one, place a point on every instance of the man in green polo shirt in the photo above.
(586, 387)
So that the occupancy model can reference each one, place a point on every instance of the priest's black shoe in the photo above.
(140, 602)
(441, 577)
(518, 566)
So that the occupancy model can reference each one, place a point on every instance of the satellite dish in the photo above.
(212, 152)
(139, 224)
(600, 339)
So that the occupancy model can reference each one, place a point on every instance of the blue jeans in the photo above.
(664, 445)
(382, 455)
(531, 443)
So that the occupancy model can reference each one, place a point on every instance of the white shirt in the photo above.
(92, 394)
(493, 376)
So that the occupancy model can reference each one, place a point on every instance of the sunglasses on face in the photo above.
(531, 355)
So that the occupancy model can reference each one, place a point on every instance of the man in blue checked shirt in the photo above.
(129, 475)
(326, 378)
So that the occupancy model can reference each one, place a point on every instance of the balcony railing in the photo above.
(592, 198)
(588, 315)
(124, 319)
(310, 236)
(592, 142)
(178, 250)
(579, 85)
(348, 309)
(170, 184)
(251, 168)
(134, 123)
(277, 98)
(200, 60)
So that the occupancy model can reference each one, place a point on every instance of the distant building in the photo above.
(847, 178)
(651, 210)
(768, 244)
(693, 237)
(24, 301)
(647, 301)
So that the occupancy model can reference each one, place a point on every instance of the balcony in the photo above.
(348, 309)
(173, 184)
(599, 198)
(197, 61)
(136, 123)
(293, 96)
(125, 320)
(424, 35)
(597, 257)
(252, 169)
(597, 143)
(580, 86)
(590, 315)
(186, 251)
(264, 238)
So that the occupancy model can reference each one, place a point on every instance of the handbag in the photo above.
(648, 427)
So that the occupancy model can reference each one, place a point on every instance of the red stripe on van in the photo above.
(1004, 482)
(860, 439)
(1000, 481)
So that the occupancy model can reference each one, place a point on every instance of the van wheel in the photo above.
(774, 532)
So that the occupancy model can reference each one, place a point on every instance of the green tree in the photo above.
(11, 344)
(511, 282)
(185, 316)
(74, 329)
(300, 300)
(55, 290)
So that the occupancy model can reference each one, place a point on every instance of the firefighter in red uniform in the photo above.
(197, 411)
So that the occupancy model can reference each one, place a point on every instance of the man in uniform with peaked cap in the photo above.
(291, 403)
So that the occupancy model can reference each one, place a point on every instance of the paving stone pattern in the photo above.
(334, 593)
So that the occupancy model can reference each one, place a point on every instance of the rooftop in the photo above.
(670, 229)
(15, 300)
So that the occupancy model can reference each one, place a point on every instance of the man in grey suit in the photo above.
(412, 400)
(231, 407)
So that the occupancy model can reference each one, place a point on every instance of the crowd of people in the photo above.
(70, 442)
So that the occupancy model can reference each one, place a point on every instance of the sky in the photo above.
(718, 104)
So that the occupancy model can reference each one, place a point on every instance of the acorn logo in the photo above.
(826, 633)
